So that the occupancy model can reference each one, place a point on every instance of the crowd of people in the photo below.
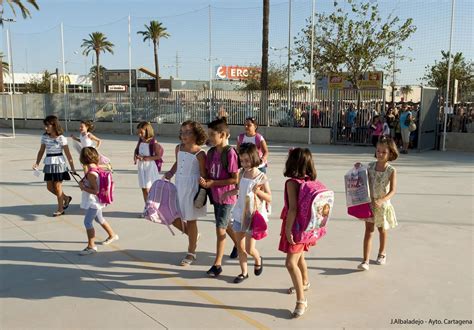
(238, 185)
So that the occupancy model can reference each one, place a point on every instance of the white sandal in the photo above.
(306, 287)
(299, 311)
(188, 261)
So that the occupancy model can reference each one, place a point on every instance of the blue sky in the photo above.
(236, 33)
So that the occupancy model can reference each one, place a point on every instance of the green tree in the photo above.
(25, 12)
(277, 79)
(97, 43)
(154, 31)
(436, 76)
(351, 40)
(5, 70)
(42, 85)
(406, 90)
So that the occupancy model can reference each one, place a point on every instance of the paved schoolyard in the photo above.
(135, 283)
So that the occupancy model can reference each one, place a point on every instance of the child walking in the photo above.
(253, 194)
(148, 154)
(383, 185)
(87, 139)
(189, 166)
(55, 168)
(90, 186)
(251, 136)
(222, 170)
(299, 166)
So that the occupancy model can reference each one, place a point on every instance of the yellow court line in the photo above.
(177, 281)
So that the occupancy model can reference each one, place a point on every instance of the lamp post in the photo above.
(10, 68)
(280, 49)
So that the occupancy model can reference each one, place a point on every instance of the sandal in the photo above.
(57, 213)
(299, 311)
(381, 259)
(240, 278)
(67, 201)
(258, 269)
(188, 261)
(306, 287)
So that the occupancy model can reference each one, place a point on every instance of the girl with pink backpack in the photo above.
(251, 136)
(254, 192)
(92, 202)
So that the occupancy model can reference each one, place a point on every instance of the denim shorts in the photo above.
(222, 212)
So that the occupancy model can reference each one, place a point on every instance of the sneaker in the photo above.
(110, 239)
(363, 266)
(88, 250)
(381, 259)
(235, 253)
(214, 271)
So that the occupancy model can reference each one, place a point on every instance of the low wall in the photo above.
(273, 134)
(460, 141)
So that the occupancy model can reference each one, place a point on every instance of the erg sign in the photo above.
(234, 72)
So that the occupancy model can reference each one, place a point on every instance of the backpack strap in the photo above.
(258, 140)
(138, 146)
(240, 138)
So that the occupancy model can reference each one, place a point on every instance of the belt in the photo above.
(52, 155)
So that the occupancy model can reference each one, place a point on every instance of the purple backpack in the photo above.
(151, 145)
(162, 204)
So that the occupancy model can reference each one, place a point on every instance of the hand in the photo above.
(257, 187)
(35, 166)
(357, 165)
(81, 185)
(379, 202)
(289, 236)
(168, 175)
(73, 137)
(145, 158)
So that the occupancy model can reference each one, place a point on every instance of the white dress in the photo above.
(241, 213)
(86, 140)
(187, 183)
(147, 170)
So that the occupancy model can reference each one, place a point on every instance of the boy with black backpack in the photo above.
(222, 170)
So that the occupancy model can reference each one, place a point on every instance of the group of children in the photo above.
(236, 191)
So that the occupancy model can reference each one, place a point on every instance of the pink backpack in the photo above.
(106, 185)
(162, 203)
(315, 204)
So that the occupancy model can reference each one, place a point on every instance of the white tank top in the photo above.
(86, 140)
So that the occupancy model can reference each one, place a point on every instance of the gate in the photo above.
(353, 112)
(427, 120)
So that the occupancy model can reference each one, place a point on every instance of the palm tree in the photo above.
(406, 90)
(266, 17)
(154, 32)
(97, 42)
(24, 11)
(5, 70)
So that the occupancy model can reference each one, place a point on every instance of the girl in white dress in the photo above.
(190, 165)
(254, 193)
(148, 155)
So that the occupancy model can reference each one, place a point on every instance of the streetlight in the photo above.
(280, 49)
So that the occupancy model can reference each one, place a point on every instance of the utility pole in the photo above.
(177, 65)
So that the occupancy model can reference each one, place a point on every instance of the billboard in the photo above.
(118, 77)
(234, 72)
(369, 80)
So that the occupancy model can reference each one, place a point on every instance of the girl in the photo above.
(299, 166)
(55, 168)
(377, 129)
(383, 185)
(87, 139)
(189, 166)
(90, 186)
(251, 136)
(148, 154)
(252, 183)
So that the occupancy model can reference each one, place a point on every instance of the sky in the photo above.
(235, 33)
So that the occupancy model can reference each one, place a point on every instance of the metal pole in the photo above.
(64, 76)
(210, 66)
(130, 73)
(10, 69)
(311, 78)
(289, 57)
(449, 76)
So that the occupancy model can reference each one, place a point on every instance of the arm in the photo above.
(168, 175)
(93, 189)
(69, 157)
(292, 193)
(263, 191)
(225, 182)
(391, 192)
(234, 191)
(75, 138)
(95, 139)
(263, 145)
(39, 155)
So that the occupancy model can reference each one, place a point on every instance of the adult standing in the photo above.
(405, 119)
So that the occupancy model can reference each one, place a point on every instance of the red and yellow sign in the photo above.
(235, 72)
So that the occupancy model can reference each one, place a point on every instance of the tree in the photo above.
(25, 12)
(406, 90)
(461, 70)
(265, 29)
(97, 43)
(351, 42)
(154, 31)
(277, 79)
(5, 70)
(42, 85)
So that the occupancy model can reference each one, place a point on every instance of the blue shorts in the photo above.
(91, 215)
(222, 212)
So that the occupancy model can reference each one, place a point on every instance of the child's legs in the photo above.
(230, 231)
(178, 223)
(383, 240)
(101, 220)
(192, 232)
(291, 263)
(242, 254)
(369, 231)
(222, 215)
(145, 193)
(88, 223)
(58, 187)
(50, 187)
(250, 249)
(220, 245)
(303, 269)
